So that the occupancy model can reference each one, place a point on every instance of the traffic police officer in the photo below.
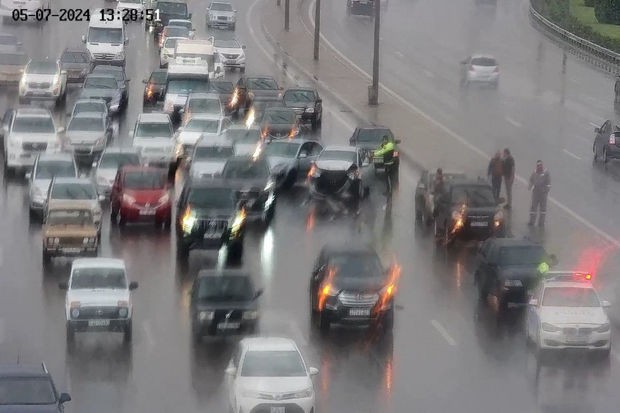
(386, 150)
(540, 184)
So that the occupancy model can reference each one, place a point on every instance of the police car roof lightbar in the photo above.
(569, 276)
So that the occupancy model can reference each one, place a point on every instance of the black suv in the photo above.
(154, 88)
(166, 11)
(223, 302)
(507, 268)
(307, 104)
(606, 144)
(208, 217)
(255, 189)
(29, 387)
(255, 88)
(349, 285)
(467, 210)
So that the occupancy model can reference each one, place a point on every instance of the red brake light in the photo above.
(612, 139)
(588, 277)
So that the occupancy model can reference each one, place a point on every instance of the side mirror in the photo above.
(243, 47)
(258, 293)
(605, 304)
(64, 398)
(94, 165)
(189, 17)
(133, 285)
(101, 198)
(397, 141)
(553, 260)
(533, 302)
(303, 155)
(145, 81)
(28, 176)
(61, 129)
(83, 38)
(313, 371)
(130, 134)
(597, 130)
(63, 285)
(231, 371)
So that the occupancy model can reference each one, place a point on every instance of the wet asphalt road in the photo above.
(447, 352)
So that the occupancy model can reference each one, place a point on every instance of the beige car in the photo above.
(69, 230)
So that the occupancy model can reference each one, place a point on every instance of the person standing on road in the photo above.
(540, 184)
(509, 176)
(495, 173)
(386, 151)
(617, 90)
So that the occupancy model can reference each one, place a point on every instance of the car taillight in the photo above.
(612, 140)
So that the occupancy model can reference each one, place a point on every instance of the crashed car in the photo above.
(290, 160)
(425, 194)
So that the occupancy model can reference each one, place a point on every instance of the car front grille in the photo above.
(103, 56)
(71, 242)
(40, 85)
(34, 146)
(331, 181)
(354, 299)
(231, 56)
(247, 195)
(222, 18)
(577, 332)
(288, 408)
(98, 313)
(213, 226)
(235, 315)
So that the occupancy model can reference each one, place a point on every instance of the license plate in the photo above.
(277, 409)
(228, 326)
(71, 250)
(479, 224)
(98, 323)
(147, 212)
(231, 61)
(212, 235)
(359, 312)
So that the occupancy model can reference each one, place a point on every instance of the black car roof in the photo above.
(207, 183)
(21, 370)
(223, 273)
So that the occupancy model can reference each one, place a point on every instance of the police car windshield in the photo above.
(474, 196)
(525, 255)
(570, 297)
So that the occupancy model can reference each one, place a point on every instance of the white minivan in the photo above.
(199, 52)
(106, 41)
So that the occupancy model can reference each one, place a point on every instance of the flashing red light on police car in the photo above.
(582, 276)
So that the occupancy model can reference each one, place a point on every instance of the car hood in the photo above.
(482, 211)
(48, 408)
(244, 149)
(189, 138)
(230, 50)
(92, 204)
(518, 272)
(284, 128)
(226, 305)
(362, 284)
(266, 94)
(177, 99)
(69, 231)
(93, 93)
(146, 196)
(98, 297)
(204, 213)
(276, 161)
(207, 167)
(77, 137)
(74, 66)
(274, 384)
(106, 173)
(31, 77)
(573, 315)
(94, 48)
(333, 165)
(42, 185)
(34, 137)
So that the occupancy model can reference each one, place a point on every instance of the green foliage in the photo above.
(607, 11)
(589, 3)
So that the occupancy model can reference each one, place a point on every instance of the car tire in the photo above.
(235, 252)
(70, 334)
(388, 320)
(605, 158)
(128, 332)
(182, 252)
(595, 152)
(324, 323)
(46, 258)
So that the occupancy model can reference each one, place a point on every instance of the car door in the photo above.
(116, 190)
(602, 136)
(302, 161)
(7, 120)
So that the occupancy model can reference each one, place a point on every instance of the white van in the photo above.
(106, 41)
(199, 52)
(30, 6)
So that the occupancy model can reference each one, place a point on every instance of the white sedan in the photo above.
(566, 312)
(269, 371)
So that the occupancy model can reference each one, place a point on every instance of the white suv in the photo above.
(153, 136)
(43, 80)
(98, 297)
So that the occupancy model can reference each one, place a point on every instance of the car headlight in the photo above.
(129, 199)
(302, 394)
(168, 106)
(238, 222)
(56, 241)
(309, 110)
(206, 315)
(498, 217)
(269, 186)
(50, 240)
(123, 312)
(85, 240)
(164, 198)
(188, 221)
(75, 312)
(250, 315)
(550, 328)
(603, 328)
(101, 180)
(120, 55)
(513, 283)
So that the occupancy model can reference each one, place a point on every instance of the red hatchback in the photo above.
(141, 193)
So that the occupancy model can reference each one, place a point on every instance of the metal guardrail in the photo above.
(604, 59)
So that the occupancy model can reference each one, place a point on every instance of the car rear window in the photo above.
(483, 61)
(521, 255)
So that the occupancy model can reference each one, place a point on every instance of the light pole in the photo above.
(317, 28)
(373, 90)
(286, 14)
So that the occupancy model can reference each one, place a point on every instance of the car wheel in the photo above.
(235, 252)
(324, 323)
(605, 158)
(128, 332)
(388, 320)
(595, 152)
(182, 252)
(70, 334)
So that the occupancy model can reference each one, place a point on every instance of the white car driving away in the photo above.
(270, 372)
(566, 312)
(98, 297)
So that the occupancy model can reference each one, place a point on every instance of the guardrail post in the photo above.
(286, 14)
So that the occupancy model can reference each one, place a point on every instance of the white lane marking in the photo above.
(594, 124)
(572, 155)
(581, 138)
(146, 326)
(399, 54)
(513, 122)
(461, 139)
(444, 333)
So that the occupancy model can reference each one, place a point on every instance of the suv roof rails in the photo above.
(44, 368)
